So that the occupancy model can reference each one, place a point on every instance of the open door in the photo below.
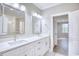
(60, 31)
(74, 33)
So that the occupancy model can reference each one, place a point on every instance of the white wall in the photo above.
(61, 8)
(65, 7)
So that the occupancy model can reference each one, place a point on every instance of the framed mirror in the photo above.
(36, 25)
(12, 21)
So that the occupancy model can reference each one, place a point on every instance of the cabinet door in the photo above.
(34, 49)
(38, 51)
(74, 33)
(31, 51)
(42, 46)
(45, 45)
(38, 48)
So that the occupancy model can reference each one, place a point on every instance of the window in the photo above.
(65, 28)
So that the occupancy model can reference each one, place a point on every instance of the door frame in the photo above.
(51, 26)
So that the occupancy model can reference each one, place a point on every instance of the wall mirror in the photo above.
(36, 25)
(12, 20)
(39, 24)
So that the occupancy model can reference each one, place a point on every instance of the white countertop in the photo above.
(5, 46)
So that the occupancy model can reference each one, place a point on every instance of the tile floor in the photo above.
(61, 48)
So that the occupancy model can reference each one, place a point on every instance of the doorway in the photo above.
(60, 37)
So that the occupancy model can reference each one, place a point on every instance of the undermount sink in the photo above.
(17, 42)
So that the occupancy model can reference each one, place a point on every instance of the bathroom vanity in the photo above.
(13, 21)
(33, 46)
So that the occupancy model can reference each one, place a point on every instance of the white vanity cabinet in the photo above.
(19, 51)
(36, 48)
(39, 47)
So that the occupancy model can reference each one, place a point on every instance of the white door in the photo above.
(74, 33)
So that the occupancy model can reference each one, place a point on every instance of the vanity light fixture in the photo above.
(37, 15)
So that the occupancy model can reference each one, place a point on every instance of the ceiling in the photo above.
(44, 6)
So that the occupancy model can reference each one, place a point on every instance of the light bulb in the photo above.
(22, 8)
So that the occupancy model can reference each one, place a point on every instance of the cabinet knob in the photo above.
(38, 42)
